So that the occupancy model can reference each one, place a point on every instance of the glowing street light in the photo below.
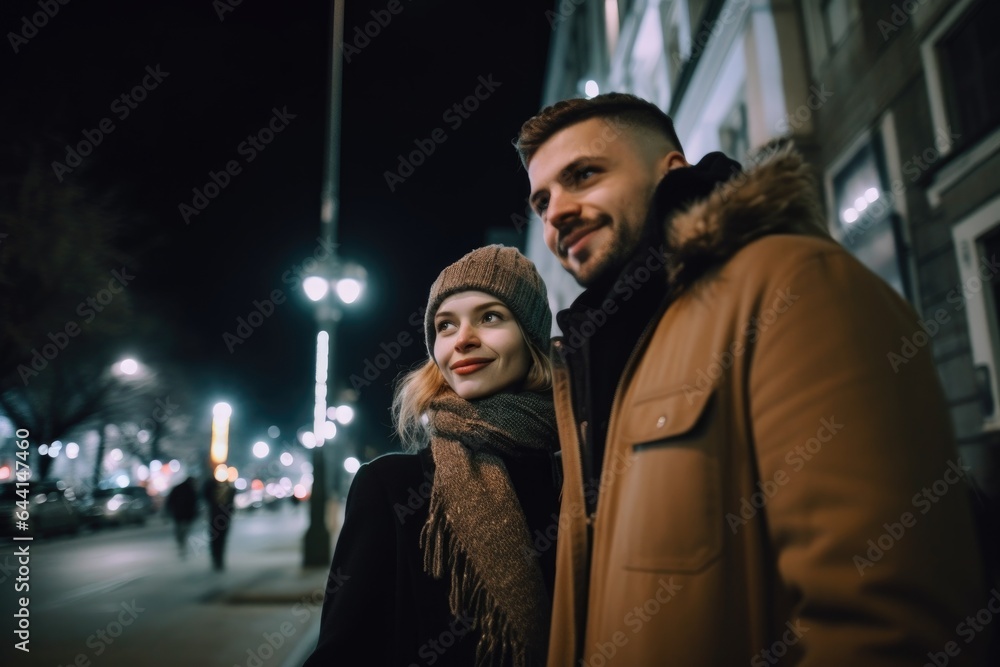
(344, 414)
(329, 430)
(260, 449)
(220, 434)
(315, 287)
(349, 290)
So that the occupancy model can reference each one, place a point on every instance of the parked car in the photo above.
(116, 507)
(49, 504)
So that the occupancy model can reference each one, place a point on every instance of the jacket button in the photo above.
(661, 421)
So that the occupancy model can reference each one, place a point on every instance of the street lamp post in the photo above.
(316, 547)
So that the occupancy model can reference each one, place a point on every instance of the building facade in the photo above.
(892, 103)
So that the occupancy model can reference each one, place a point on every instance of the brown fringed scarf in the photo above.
(476, 530)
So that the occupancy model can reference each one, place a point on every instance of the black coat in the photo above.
(381, 608)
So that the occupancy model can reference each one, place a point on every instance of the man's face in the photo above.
(591, 184)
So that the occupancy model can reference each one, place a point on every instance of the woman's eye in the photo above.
(443, 324)
(492, 316)
(585, 173)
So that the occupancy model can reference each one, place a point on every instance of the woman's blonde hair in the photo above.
(419, 387)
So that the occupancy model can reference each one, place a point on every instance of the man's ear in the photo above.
(672, 160)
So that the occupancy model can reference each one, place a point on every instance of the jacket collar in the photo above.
(776, 195)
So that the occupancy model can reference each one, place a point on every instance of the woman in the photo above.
(447, 555)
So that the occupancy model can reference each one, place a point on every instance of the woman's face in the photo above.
(478, 345)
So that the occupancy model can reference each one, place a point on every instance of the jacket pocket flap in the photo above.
(667, 415)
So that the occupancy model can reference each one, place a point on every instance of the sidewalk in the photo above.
(262, 610)
(275, 596)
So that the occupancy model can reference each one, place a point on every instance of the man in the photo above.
(748, 477)
(220, 498)
(182, 504)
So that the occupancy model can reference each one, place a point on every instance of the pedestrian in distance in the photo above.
(748, 476)
(182, 505)
(436, 561)
(220, 498)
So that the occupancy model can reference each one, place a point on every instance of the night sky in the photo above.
(211, 85)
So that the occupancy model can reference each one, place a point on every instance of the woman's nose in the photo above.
(467, 337)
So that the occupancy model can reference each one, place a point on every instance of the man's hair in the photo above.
(625, 110)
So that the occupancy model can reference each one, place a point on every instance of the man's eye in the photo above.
(541, 206)
(584, 173)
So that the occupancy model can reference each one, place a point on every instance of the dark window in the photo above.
(970, 57)
(990, 247)
(734, 133)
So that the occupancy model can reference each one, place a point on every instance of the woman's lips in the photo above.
(471, 368)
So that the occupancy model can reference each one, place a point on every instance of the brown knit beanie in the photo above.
(504, 273)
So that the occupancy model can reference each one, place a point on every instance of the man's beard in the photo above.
(609, 261)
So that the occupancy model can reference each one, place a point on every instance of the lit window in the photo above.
(869, 228)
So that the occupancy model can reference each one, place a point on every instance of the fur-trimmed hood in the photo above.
(777, 195)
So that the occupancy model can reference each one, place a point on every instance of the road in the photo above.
(124, 597)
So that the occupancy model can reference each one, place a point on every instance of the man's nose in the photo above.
(563, 208)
